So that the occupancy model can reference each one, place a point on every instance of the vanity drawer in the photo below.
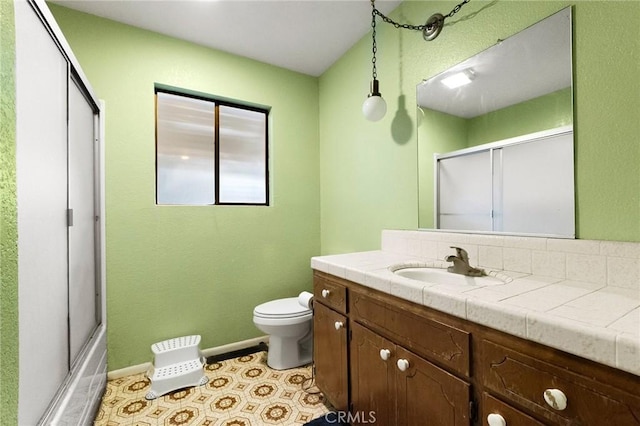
(511, 416)
(442, 344)
(330, 293)
(525, 381)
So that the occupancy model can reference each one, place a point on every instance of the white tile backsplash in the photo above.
(517, 259)
(620, 249)
(614, 263)
(491, 257)
(428, 248)
(623, 272)
(573, 246)
(587, 267)
(531, 243)
(553, 264)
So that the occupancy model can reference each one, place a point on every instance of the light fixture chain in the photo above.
(414, 27)
(374, 48)
(396, 24)
(457, 8)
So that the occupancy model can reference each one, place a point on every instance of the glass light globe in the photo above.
(374, 108)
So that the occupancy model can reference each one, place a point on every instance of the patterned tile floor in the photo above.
(241, 391)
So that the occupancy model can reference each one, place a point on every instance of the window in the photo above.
(209, 151)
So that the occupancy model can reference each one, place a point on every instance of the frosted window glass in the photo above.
(242, 163)
(185, 150)
(464, 190)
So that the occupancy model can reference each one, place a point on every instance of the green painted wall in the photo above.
(546, 112)
(175, 270)
(369, 170)
(8, 222)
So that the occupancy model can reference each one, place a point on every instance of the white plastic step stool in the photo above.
(178, 364)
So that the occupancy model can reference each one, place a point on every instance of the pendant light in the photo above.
(374, 107)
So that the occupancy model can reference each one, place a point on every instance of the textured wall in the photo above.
(8, 222)
(546, 112)
(369, 171)
(177, 270)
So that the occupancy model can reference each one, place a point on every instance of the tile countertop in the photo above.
(597, 322)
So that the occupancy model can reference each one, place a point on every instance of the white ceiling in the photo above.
(307, 36)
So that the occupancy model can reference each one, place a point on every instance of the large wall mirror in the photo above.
(513, 122)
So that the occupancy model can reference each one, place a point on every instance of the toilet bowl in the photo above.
(289, 326)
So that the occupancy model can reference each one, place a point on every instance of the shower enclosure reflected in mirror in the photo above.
(518, 90)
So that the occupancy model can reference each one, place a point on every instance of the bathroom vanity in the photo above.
(378, 353)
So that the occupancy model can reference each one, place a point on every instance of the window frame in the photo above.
(217, 101)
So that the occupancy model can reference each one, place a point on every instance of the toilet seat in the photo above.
(282, 309)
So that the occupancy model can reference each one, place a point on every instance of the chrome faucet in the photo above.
(461, 264)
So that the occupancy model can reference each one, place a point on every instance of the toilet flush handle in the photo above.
(325, 293)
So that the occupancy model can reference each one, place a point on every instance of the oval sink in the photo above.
(442, 276)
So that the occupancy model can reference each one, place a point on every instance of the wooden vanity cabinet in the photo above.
(510, 415)
(330, 342)
(552, 392)
(453, 372)
(390, 369)
(427, 394)
(397, 387)
(372, 378)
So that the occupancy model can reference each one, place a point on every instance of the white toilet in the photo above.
(289, 326)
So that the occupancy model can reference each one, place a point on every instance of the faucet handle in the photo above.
(461, 253)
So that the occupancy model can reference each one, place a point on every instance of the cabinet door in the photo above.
(428, 395)
(512, 417)
(520, 377)
(372, 377)
(330, 355)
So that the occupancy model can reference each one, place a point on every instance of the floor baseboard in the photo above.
(262, 346)
(216, 354)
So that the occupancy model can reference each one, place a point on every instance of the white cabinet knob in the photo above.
(325, 293)
(385, 354)
(402, 364)
(496, 420)
(556, 399)
(338, 325)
